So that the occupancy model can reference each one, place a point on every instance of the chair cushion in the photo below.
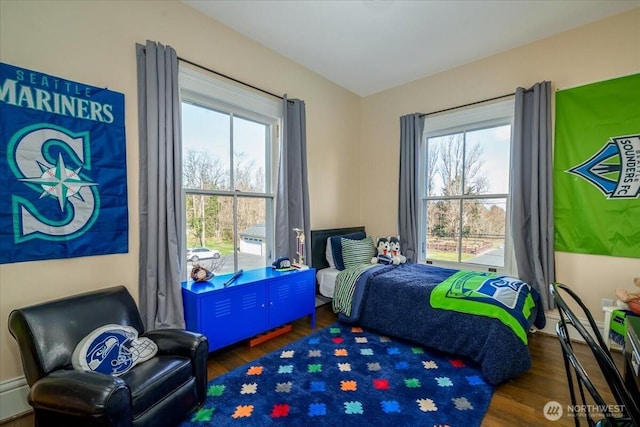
(154, 380)
(112, 350)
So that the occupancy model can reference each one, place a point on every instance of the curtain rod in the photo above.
(230, 78)
(470, 104)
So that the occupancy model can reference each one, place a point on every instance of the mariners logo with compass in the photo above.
(59, 182)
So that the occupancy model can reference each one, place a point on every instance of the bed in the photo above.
(326, 273)
(403, 301)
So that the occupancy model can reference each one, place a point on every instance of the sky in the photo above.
(209, 131)
(495, 145)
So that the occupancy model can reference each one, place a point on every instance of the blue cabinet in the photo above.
(257, 301)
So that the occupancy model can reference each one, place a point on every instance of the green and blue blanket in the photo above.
(501, 297)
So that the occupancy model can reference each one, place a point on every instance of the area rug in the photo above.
(346, 376)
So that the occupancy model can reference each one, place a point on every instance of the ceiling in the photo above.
(368, 46)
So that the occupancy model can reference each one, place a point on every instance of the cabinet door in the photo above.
(291, 297)
(234, 314)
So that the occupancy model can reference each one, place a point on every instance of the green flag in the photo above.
(597, 168)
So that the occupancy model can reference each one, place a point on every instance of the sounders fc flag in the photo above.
(597, 168)
(63, 177)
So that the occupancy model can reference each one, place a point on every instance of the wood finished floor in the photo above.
(518, 402)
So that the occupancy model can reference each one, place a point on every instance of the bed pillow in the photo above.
(328, 253)
(112, 349)
(357, 252)
(336, 246)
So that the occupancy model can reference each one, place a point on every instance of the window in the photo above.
(465, 188)
(229, 166)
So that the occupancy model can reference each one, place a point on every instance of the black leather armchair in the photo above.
(159, 392)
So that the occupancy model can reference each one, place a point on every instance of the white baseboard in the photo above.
(550, 326)
(552, 321)
(13, 398)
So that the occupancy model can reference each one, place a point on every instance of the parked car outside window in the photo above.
(196, 254)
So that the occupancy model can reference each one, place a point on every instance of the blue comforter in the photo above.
(394, 300)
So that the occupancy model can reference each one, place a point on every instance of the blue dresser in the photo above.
(257, 301)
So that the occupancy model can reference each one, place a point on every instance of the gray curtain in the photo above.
(292, 195)
(160, 187)
(532, 189)
(411, 127)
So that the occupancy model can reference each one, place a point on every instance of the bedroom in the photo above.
(94, 42)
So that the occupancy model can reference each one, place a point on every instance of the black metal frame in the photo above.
(624, 400)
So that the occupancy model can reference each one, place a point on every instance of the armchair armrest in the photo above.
(193, 345)
(85, 394)
(178, 342)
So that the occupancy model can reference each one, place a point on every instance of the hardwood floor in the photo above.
(518, 402)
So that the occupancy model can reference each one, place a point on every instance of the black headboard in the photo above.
(319, 244)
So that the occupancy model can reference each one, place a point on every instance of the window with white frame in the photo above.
(229, 166)
(464, 188)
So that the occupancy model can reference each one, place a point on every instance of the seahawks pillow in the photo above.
(113, 350)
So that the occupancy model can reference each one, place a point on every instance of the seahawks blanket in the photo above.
(394, 300)
(501, 297)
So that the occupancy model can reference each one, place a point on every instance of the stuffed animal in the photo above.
(625, 296)
(394, 246)
(384, 252)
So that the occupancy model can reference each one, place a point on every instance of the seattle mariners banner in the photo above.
(63, 178)
(597, 168)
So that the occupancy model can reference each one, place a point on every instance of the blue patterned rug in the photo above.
(343, 375)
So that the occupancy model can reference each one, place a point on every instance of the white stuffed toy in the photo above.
(394, 246)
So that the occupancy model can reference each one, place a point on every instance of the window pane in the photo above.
(443, 229)
(210, 233)
(206, 144)
(249, 145)
(444, 165)
(252, 236)
(487, 161)
(209, 222)
(483, 231)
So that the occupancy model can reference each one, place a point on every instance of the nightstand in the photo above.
(257, 301)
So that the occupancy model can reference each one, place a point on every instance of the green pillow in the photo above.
(357, 252)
